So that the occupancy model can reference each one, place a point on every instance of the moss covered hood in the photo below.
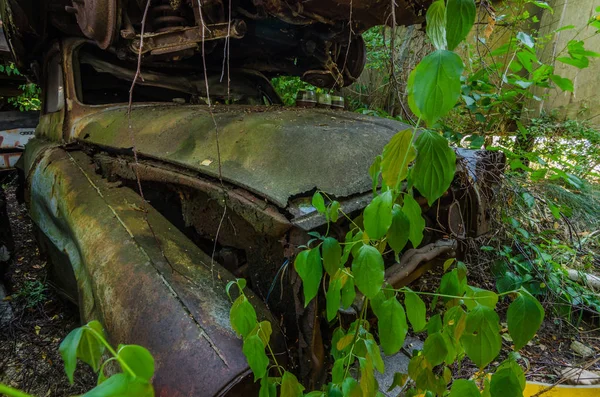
(277, 153)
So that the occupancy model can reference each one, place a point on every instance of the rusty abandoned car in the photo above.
(145, 240)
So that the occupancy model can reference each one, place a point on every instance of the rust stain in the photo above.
(203, 333)
(123, 282)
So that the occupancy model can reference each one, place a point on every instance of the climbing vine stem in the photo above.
(461, 322)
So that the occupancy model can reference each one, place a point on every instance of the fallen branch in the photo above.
(414, 257)
(563, 379)
(584, 278)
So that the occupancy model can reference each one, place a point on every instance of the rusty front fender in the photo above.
(158, 291)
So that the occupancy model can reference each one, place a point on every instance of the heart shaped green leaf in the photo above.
(392, 325)
(378, 215)
(332, 254)
(436, 24)
(415, 310)
(437, 84)
(309, 268)
(254, 350)
(460, 16)
(242, 316)
(412, 210)
(524, 318)
(397, 235)
(435, 165)
(397, 155)
(464, 388)
(290, 387)
(368, 270)
(481, 339)
(333, 297)
(139, 360)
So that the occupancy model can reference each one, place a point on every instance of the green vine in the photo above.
(29, 99)
(354, 271)
(88, 343)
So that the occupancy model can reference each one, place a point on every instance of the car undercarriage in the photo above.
(319, 41)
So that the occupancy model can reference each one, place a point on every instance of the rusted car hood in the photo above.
(274, 152)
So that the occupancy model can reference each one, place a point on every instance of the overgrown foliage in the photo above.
(465, 325)
(88, 344)
(506, 77)
(33, 293)
(287, 88)
(29, 99)
(546, 242)
(553, 162)
(133, 365)
(569, 146)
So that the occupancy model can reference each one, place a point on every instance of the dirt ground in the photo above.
(29, 357)
(548, 353)
(30, 361)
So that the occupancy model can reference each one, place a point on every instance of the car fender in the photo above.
(147, 285)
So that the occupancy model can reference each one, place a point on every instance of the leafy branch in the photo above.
(89, 344)
(354, 270)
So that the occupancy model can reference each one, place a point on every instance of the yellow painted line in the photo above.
(532, 388)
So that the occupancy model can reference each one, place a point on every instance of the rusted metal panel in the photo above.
(178, 39)
(8, 160)
(363, 13)
(159, 291)
(98, 20)
(16, 129)
(16, 138)
(265, 218)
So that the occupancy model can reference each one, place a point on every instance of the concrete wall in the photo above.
(584, 102)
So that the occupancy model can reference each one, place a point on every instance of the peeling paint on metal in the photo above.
(171, 306)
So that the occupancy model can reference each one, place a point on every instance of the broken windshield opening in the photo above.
(102, 78)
